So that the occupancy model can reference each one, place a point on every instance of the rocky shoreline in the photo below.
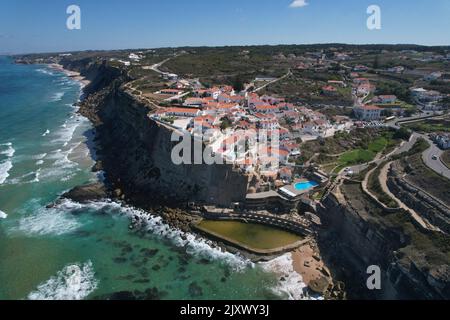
(176, 215)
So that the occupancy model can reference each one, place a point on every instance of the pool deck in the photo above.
(292, 192)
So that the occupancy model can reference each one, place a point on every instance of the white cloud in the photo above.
(298, 4)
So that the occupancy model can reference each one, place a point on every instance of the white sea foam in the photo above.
(46, 221)
(65, 134)
(4, 170)
(39, 162)
(45, 71)
(3, 215)
(292, 285)
(39, 156)
(74, 282)
(37, 174)
(195, 246)
(9, 151)
(46, 133)
(57, 96)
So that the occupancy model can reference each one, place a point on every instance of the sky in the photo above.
(40, 26)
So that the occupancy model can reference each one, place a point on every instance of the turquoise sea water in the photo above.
(75, 251)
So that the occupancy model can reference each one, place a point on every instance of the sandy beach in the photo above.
(71, 74)
(312, 269)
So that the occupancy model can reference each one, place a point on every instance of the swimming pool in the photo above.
(306, 185)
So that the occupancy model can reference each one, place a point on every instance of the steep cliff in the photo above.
(135, 151)
(359, 234)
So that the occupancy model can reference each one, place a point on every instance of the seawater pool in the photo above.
(251, 235)
(306, 185)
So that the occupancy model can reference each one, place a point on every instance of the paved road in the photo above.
(273, 81)
(435, 165)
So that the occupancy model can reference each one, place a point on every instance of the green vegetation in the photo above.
(226, 123)
(306, 86)
(223, 64)
(426, 179)
(170, 120)
(401, 90)
(426, 249)
(430, 125)
(238, 85)
(363, 155)
(375, 187)
(403, 134)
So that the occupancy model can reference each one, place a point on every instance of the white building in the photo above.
(368, 113)
(433, 76)
(443, 140)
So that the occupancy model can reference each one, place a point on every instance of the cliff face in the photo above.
(355, 240)
(136, 151)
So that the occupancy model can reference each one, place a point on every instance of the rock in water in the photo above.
(89, 192)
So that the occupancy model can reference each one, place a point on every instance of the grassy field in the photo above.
(361, 155)
(428, 126)
(375, 187)
(423, 177)
(306, 86)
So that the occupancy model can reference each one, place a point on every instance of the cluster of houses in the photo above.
(442, 139)
(430, 99)
(231, 123)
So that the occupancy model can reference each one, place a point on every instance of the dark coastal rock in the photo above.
(156, 267)
(195, 290)
(120, 296)
(119, 260)
(149, 253)
(98, 166)
(86, 193)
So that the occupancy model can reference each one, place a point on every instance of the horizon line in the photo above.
(228, 46)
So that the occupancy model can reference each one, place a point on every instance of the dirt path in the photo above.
(273, 81)
(383, 182)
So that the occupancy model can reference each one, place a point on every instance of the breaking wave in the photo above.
(57, 97)
(292, 285)
(4, 170)
(3, 215)
(46, 221)
(195, 246)
(73, 282)
(9, 151)
(45, 71)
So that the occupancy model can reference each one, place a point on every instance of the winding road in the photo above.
(273, 81)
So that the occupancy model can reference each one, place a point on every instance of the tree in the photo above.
(403, 134)
(226, 123)
(238, 84)
(376, 62)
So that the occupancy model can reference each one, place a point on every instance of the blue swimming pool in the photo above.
(305, 185)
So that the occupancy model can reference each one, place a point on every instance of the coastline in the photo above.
(71, 74)
(285, 266)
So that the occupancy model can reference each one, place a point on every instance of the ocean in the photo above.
(75, 251)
